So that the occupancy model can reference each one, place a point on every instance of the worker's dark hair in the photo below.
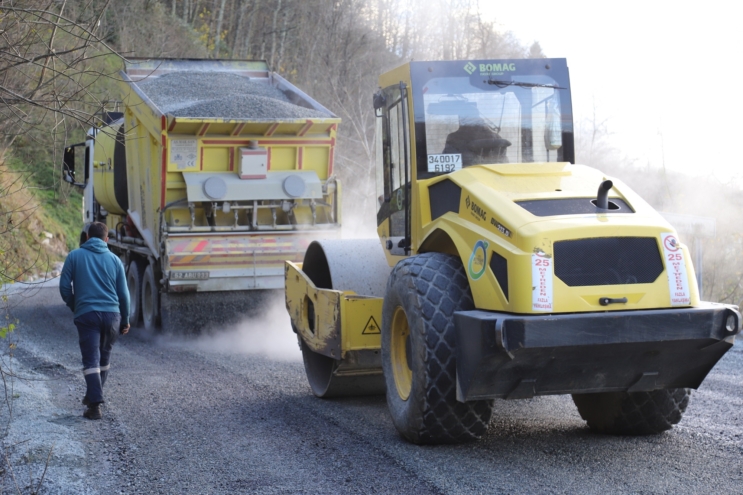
(99, 230)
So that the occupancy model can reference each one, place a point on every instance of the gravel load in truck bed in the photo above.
(221, 95)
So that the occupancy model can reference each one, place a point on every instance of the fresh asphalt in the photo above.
(185, 418)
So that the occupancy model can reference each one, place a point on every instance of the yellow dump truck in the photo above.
(502, 269)
(214, 173)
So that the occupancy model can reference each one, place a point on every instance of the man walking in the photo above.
(93, 285)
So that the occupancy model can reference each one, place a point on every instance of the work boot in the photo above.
(86, 402)
(93, 412)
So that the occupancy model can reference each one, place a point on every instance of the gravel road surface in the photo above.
(232, 413)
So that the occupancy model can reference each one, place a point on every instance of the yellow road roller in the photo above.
(502, 270)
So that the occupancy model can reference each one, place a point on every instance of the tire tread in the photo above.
(635, 413)
(441, 287)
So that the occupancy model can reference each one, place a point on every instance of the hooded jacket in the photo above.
(93, 279)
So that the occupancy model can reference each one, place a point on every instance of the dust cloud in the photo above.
(267, 334)
(358, 225)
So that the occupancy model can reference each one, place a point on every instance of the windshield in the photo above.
(491, 116)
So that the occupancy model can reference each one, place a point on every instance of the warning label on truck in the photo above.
(183, 153)
(678, 282)
(541, 282)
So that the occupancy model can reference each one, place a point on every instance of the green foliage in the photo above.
(4, 331)
(60, 204)
(9, 327)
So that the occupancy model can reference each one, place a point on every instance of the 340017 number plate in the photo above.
(444, 163)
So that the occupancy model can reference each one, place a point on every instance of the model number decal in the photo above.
(444, 163)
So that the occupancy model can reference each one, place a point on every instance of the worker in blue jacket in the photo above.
(93, 285)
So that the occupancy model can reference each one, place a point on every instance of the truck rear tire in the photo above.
(419, 353)
(134, 276)
(150, 299)
(633, 413)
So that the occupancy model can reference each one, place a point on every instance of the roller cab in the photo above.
(509, 271)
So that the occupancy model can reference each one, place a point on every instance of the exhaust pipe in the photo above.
(602, 199)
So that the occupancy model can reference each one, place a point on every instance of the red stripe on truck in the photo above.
(331, 153)
(271, 130)
(164, 176)
(298, 142)
(305, 128)
(238, 129)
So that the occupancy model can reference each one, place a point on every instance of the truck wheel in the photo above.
(150, 299)
(633, 413)
(134, 282)
(418, 351)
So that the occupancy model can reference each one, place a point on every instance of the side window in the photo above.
(395, 163)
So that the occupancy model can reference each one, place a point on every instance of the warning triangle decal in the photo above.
(371, 327)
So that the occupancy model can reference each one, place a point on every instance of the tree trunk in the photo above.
(282, 42)
(273, 33)
(249, 34)
(218, 34)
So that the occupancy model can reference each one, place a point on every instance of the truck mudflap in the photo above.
(511, 356)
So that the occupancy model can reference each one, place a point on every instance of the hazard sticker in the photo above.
(541, 281)
(371, 327)
(678, 282)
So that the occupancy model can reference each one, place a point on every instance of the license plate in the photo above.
(189, 275)
(444, 163)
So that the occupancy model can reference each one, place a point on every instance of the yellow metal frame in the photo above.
(344, 321)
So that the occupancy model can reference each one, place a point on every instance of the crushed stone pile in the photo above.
(221, 95)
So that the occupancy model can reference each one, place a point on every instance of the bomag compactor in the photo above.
(502, 270)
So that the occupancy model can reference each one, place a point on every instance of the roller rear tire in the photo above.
(635, 413)
(419, 354)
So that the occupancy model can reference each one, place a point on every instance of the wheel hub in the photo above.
(400, 353)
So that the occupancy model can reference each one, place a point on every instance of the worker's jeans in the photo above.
(98, 332)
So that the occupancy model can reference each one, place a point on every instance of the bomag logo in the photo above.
(497, 67)
(475, 209)
(489, 69)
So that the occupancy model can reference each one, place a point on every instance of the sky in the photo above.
(666, 76)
